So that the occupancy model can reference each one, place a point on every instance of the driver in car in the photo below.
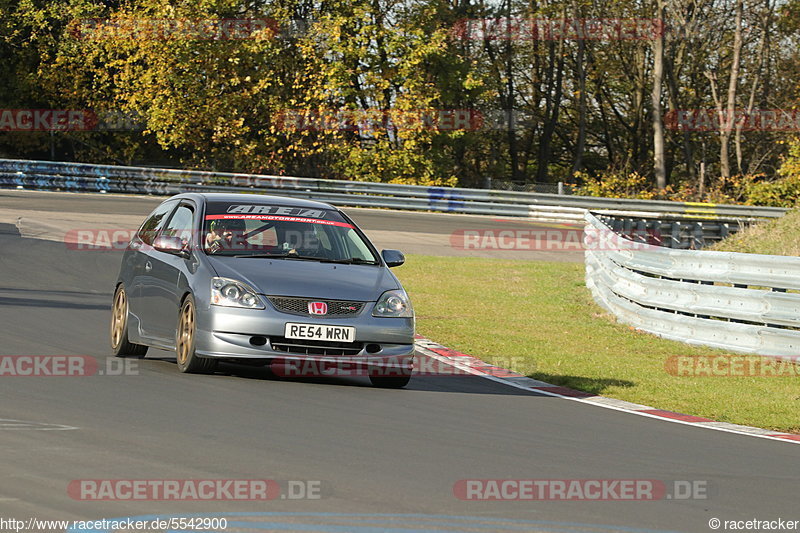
(226, 235)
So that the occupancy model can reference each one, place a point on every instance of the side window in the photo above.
(147, 233)
(180, 225)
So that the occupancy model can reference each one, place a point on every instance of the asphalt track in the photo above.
(386, 460)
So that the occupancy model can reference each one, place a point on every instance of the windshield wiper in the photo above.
(354, 261)
(284, 256)
(290, 255)
(351, 261)
(269, 256)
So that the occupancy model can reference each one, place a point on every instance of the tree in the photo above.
(659, 162)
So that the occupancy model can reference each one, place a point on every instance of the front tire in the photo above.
(385, 382)
(120, 345)
(188, 360)
(396, 378)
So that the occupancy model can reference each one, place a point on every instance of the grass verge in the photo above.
(538, 318)
(774, 237)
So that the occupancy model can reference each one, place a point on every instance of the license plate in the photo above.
(319, 333)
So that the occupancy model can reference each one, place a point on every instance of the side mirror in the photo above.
(393, 258)
(170, 245)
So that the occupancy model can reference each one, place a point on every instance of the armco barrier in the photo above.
(672, 231)
(742, 302)
(108, 178)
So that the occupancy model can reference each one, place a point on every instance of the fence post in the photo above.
(698, 238)
(676, 235)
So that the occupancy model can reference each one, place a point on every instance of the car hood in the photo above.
(308, 279)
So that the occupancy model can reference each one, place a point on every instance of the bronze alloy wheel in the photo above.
(118, 318)
(185, 333)
(120, 345)
(188, 361)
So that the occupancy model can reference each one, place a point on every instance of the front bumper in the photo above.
(227, 332)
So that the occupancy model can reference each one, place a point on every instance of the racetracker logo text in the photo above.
(775, 120)
(174, 489)
(579, 490)
(376, 120)
(729, 366)
(64, 366)
(147, 29)
(195, 489)
(555, 240)
(547, 29)
(32, 120)
(327, 367)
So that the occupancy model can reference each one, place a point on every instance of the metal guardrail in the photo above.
(670, 231)
(742, 302)
(107, 178)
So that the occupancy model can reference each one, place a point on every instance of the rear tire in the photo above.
(120, 345)
(188, 361)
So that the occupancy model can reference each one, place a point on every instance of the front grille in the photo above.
(309, 347)
(299, 306)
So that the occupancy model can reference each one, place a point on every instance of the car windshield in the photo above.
(291, 233)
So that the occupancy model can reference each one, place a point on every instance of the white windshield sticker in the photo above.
(276, 210)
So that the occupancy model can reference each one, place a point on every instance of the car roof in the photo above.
(253, 198)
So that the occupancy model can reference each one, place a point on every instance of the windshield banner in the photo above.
(280, 218)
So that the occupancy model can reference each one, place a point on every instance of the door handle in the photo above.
(148, 266)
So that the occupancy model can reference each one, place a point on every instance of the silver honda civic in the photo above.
(259, 279)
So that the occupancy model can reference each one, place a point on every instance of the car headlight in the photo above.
(394, 304)
(231, 293)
